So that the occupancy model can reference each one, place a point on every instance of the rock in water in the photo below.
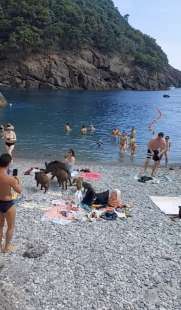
(3, 101)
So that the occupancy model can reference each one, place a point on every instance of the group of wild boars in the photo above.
(56, 169)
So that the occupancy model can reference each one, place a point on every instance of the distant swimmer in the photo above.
(67, 127)
(99, 143)
(116, 132)
(10, 105)
(91, 128)
(83, 130)
(123, 141)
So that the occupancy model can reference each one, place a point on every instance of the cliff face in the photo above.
(88, 69)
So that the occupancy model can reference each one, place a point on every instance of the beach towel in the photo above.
(91, 176)
(168, 205)
(61, 213)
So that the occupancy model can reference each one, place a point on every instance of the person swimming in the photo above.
(99, 143)
(116, 132)
(83, 130)
(67, 127)
(91, 128)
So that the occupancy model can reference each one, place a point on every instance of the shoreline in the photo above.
(98, 163)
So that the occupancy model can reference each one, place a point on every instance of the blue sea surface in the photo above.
(39, 118)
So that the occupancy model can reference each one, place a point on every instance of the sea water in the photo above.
(39, 118)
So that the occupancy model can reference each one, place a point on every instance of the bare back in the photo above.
(8, 183)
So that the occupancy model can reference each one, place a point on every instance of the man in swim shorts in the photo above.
(7, 207)
(156, 148)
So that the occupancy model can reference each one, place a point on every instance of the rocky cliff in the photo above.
(86, 69)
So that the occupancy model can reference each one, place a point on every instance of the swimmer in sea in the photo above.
(99, 143)
(67, 127)
(91, 128)
(83, 130)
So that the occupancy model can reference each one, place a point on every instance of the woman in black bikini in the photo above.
(9, 138)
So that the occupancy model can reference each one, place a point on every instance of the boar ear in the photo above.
(46, 164)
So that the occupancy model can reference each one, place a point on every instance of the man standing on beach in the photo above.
(156, 148)
(7, 207)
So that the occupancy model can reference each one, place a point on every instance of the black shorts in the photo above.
(155, 156)
(6, 205)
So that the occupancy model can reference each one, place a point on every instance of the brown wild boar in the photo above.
(42, 178)
(62, 178)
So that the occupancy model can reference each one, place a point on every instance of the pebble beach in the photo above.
(130, 264)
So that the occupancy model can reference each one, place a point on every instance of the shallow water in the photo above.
(39, 118)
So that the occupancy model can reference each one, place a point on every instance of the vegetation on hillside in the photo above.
(31, 25)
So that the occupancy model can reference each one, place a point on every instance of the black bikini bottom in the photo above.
(6, 205)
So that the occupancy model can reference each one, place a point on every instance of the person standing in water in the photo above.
(132, 141)
(123, 142)
(9, 138)
(7, 207)
(133, 133)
